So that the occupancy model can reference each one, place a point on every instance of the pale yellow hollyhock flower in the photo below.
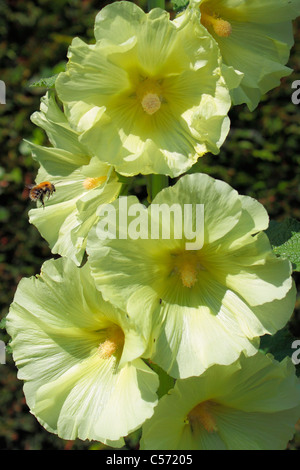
(79, 357)
(148, 96)
(252, 404)
(82, 184)
(255, 38)
(202, 304)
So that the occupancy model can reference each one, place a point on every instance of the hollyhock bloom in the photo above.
(254, 37)
(203, 304)
(82, 184)
(148, 96)
(252, 404)
(79, 357)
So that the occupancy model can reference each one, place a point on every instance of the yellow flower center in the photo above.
(91, 183)
(149, 93)
(113, 342)
(187, 265)
(221, 27)
(201, 416)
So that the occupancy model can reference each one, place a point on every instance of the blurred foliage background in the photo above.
(260, 158)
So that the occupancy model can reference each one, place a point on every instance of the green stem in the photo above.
(158, 182)
(156, 4)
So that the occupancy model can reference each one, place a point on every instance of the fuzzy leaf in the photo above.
(285, 240)
(179, 4)
(46, 82)
(281, 345)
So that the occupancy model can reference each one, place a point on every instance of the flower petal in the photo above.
(253, 404)
(59, 325)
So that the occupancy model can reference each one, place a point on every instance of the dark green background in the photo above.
(260, 158)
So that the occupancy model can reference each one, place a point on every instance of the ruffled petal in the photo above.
(79, 356)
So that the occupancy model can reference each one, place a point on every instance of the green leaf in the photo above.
(124, 179)
(165, 381)
(46, 82)
(285, 240)
(280, 345)
(8, 349)
(156, 4)
(179, 4)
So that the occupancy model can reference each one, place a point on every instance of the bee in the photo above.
(40, 191)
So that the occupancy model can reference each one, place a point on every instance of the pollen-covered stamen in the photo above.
(202, 416)
(188, 274)
(149, 93)
(113, 342)
(221, 27)
(91, 183)
(151, 103)
(187, 265)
